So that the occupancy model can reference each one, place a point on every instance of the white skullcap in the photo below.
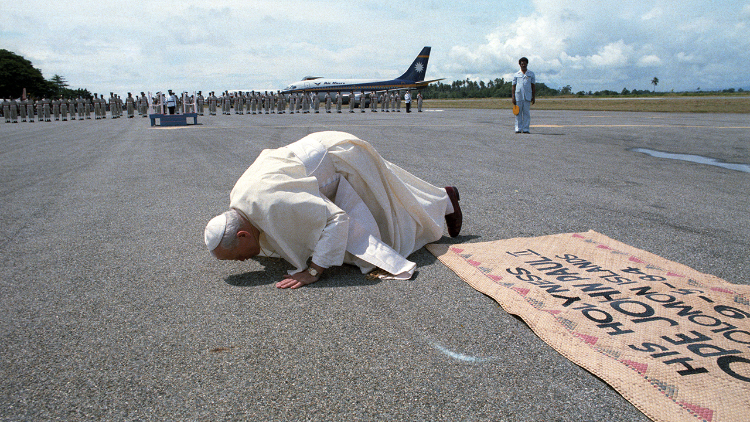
(215, 231)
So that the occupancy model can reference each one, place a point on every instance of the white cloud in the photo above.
(608, 45)
(612, 55)
(654, 13)
(149, 45)
(683, 57)
(650, 60)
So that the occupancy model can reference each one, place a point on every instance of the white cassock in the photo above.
(332, 197)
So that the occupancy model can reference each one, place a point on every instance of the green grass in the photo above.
(670, 103)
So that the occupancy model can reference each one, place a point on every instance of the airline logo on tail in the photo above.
(417, 69)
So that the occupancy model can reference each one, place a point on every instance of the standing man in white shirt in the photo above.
(523, 95)
(171, 102)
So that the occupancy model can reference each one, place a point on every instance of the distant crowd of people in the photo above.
(253, 102)
(62, 109)
(45, 109)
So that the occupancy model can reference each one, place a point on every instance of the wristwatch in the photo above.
(313, 272)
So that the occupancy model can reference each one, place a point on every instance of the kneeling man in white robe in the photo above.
(330, 199)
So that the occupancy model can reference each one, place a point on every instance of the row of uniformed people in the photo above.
(260, 103)
(64, 109)
(251, 103)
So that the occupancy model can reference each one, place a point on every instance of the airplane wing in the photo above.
(425, 83)
(420, 84)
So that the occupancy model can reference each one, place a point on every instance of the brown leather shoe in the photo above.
(454, 220)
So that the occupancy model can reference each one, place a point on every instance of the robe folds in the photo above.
(331, 195)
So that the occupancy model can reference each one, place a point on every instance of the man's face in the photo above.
(523, 64)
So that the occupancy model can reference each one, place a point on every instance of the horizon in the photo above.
(149, 46)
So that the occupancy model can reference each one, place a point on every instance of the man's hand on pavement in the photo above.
(300, 279)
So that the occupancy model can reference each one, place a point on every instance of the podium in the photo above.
(173, 119)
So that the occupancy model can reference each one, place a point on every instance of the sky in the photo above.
(218, 45)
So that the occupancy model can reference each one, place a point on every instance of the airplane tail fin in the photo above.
(418, 68)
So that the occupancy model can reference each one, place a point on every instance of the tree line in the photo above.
(499, 88)
(17, 73)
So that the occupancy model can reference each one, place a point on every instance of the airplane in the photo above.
(413, 78)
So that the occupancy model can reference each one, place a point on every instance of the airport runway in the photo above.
(112, 309)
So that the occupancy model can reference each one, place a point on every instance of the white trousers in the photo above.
(523, 119)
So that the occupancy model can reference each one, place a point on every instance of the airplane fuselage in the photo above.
(348, 85)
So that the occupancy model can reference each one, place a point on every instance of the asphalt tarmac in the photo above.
(112, 308)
